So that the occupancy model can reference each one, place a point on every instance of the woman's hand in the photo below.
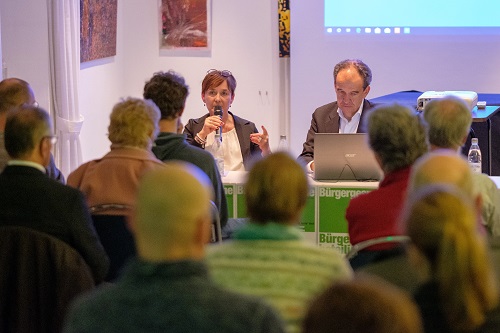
(262, 140)
(210, 125)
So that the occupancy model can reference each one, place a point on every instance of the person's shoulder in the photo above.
(252, 312)
(326, 107)
(242, 121)
(76, 175)
(197, 120)
(484, 180)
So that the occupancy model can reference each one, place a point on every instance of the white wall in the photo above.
(244, 40)
(241, 42)
(25, 43)
(425, 63)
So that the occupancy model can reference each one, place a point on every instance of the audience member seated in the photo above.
(242, 142)
(459, 291)
(268, 256)
(14, 93)
(110, 183)
(448, 123)
(169, 91)
(437, 167)
(365, 304)
(167, 288)
(397, 139)
(29, 198)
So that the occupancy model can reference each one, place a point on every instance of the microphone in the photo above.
(218, 112)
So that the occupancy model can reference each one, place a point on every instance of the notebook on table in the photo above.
(344, 157)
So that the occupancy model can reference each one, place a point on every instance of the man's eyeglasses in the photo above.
(52, 139)
(223, 72)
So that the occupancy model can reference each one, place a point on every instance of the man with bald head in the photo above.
(448, 122)
(15, 92)
(167, 288)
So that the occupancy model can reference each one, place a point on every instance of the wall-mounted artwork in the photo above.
(185, 25)
(97, 29)
(284, 27)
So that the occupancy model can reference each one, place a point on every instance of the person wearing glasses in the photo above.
(15, 92)
(351, 78)
(30, 199)
(242, 140)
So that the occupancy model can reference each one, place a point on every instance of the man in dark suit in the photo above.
(29, 198)
(352, 79)
(15, 92)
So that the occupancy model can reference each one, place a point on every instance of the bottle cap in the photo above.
(474, 141)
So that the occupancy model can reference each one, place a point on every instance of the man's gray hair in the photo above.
(397, 136)
(447, 121)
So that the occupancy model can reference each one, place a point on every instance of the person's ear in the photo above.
(366, 91)
(44, 148)
(203, 231)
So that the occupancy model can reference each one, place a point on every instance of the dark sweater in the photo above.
(170, 297)
(171, 146)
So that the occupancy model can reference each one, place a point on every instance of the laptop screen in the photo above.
(344, 157)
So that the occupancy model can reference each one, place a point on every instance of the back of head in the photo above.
(168, 90)
(364, 304)
(363, 70)
(24, 129)
(134, 123)
(441, 222)
(448, 122)
(445, 167)
(13, 93)
(171, 203)
(215, 78)
(396, 136)
(276, 189)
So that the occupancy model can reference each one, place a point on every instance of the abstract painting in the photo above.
(284, 27)
(185, 24)
(98, 19)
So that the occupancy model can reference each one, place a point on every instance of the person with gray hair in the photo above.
(448, 122)
(397, 138)
(114, 178)
(352, 79)
(29, 198)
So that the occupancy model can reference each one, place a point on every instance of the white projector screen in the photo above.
(424, 17)
(446, 59)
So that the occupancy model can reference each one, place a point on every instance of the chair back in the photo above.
(115, 236)
(40, 276)
(360, 255)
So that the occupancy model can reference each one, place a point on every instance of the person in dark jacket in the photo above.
(169, 91)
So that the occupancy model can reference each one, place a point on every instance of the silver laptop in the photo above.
(344, 157)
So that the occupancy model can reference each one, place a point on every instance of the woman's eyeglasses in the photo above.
(223, 72)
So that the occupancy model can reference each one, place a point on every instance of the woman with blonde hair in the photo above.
(110, 183)
(459, 292)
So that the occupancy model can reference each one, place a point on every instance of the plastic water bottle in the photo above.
(218, 152)
(474, 156)
(283, 144)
